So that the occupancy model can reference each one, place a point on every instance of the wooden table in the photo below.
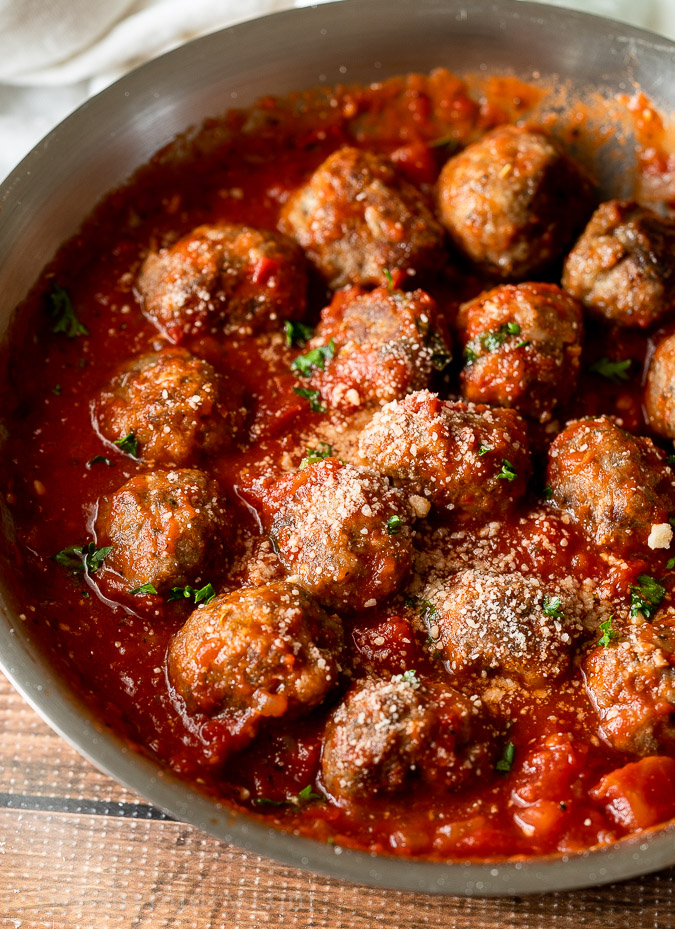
(79, 852)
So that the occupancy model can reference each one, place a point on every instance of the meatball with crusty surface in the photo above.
(660, 389)
(342, 531)
(509, 623)
(623, 266)
(222, 279)
(165, 529)
(631, 683)
(387, 734)
(356, 218)
(384, 343)
(522, 347)
(174, 405)
(268, 650)
(617, 486)
(472, 458)
(512, 201)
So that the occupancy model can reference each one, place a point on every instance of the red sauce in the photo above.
(553, 795)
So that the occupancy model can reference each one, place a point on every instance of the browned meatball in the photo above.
(509, 623)
(223, 278)
(457, 455)
(623, 266)
(660, 389)
(522, 347)
(270, 651)
(165, 529)
(631, 683)
(357, 218)
(512, 201)
(389, 733)
(343, 532)
(615, 485)
(383, 344)
(174, 405)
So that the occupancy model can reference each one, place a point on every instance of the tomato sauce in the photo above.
(544, 797)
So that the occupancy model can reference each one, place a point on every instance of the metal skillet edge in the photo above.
(45, 199)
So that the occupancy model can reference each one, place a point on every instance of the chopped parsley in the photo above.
(427, 610)
(505, 763)
(507, 473)
(204, 595)
(612, 370)
(297, 333)
(57, 390)
(394, 525)
(62, 314)
(99, 459)
(410, 677)
(553, 607)
(390, 280)
(670, 564)
(315, 358)
(306, 795)
(144, 589)
(548, 492)
(82, 557)
(128, 444)
(491, 341)
(313, 397)
(607, 632)
(645, 596)
(448, 141)
(483, 450)
(312, 455)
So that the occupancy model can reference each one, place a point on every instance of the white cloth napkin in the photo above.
(55, 53)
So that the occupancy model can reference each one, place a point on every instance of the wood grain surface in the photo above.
(77, 851)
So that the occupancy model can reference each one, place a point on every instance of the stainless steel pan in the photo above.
(45, 199)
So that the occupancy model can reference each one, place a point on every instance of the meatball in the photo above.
(165, 529)
(504, 622)
(522, 347)
(617, 486)
(623, 266)
(660, 389)
(512, 201)
(270, 651)
(223, 278)
(457, 455)
(388, 733)
(631, 683)
(174, 405)
(357, 218)
(384, 344)
(343, 532)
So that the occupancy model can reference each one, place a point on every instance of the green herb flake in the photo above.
(316, 358)
(507, 473)
(297, 333)
(57, 390)
(99, 459)
(313, 397)
(548, 492)
(128, 444)
(394, 525)
(607, 633)
(62, 314)
(94, 557)
(494, 339)
(553, 607)
(505, 763)
(308, 795)
(312, 455)
(470, 355)
(204, 595)
(645, 596)
(390, 280)
(144, 589)
(71, 558)
(483, 450)
(612, 370)
(427, 610)
(670, 564)
(305, 796)
(410, 677)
